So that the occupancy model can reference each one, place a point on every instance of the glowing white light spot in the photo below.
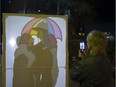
(36, 39)
(40, 77)
(108, 37)
(39, 10)
(12, 42)
(9, 1)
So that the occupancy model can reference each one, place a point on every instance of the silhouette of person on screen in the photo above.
(34, 64)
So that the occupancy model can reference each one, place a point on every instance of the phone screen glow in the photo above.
(82, 45)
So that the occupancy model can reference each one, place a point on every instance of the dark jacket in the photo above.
(93, 71)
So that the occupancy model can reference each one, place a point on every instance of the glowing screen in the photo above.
(35, 50)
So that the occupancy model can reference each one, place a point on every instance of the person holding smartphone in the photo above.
(95, 69)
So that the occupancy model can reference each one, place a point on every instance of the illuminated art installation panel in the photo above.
(34, 50)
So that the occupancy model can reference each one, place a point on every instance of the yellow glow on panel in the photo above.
(38, 23)
(33, 32)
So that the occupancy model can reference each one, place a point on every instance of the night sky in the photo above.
(105, 19)
(105, 9)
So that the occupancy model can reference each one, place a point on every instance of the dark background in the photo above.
(103, 17)
(105, 9)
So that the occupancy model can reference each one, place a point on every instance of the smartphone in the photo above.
(82, 45)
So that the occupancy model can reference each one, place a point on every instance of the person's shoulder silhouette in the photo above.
(42, 54)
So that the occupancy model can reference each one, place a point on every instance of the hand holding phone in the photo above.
(81, 54)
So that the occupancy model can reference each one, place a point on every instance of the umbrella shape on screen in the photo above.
(44, 28)
(46, 24)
